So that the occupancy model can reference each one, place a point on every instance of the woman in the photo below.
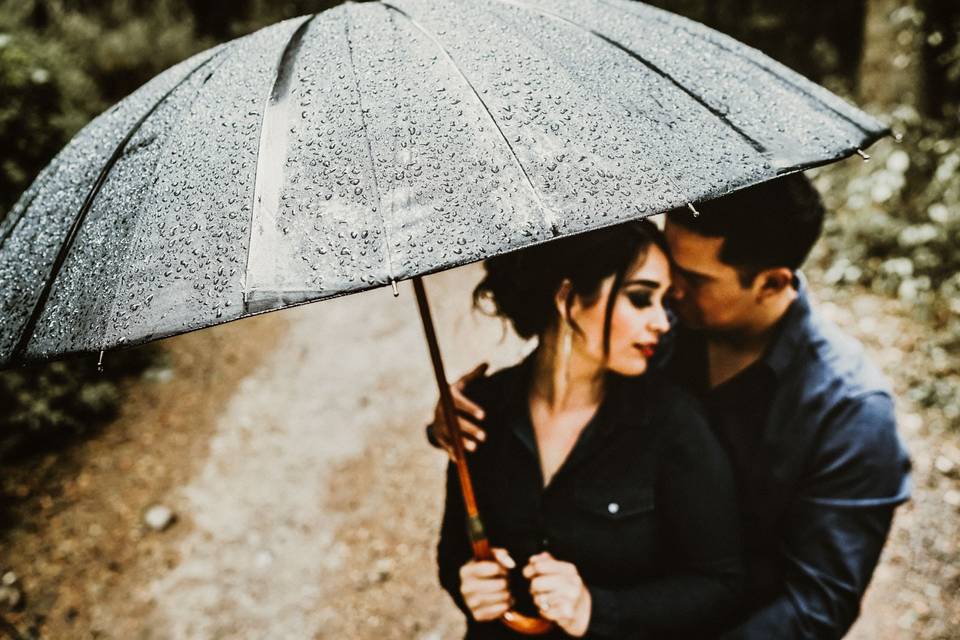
(610, 504)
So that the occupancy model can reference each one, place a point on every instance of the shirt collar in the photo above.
(623, 402)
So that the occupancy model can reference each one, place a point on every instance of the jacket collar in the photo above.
(791, 332)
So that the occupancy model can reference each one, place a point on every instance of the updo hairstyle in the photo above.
(521, 285)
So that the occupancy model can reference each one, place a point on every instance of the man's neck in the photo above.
(729, 353)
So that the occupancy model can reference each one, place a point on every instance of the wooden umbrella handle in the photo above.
(520, 623)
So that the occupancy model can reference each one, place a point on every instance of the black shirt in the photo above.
(644, 507)
(737, 410)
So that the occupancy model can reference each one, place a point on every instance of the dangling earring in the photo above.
(566, 346)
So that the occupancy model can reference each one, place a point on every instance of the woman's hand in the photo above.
(559, 593)
(483, 585)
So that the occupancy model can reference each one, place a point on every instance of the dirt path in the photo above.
(290, 447)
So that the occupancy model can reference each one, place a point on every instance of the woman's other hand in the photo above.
(559, 593)
(470, 413)
(483, 585)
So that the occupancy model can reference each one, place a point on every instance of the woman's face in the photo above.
(638, 318)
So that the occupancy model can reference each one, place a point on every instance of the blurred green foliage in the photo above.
(50, 405)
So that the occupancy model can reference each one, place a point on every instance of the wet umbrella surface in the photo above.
(374, 142)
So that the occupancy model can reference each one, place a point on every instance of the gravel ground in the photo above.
(290, 449)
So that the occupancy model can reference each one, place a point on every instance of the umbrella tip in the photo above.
(692, 208)
(396, 292)
(862, 154)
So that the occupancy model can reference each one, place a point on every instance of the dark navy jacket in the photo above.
(821, 470)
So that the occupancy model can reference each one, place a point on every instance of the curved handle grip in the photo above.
(526, 625)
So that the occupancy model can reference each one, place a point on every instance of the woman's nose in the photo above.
(660, 323)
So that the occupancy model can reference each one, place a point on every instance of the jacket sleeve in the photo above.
(836, 528)
(701, 525)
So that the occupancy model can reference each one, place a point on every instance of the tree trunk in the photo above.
(891, 67)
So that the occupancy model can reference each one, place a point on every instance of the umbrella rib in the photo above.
(756, 63)
(653, 67)
(366, 138)
(273, 148)
(663, 162)
(26, 333)
(548, 214)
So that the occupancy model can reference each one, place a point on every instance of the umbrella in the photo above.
(374, 142)
(378, 142)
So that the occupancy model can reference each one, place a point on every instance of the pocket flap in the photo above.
(615, 503)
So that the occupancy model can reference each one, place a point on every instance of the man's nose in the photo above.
(677, 289)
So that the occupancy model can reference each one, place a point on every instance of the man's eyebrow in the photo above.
(653, 284)
(688, 273)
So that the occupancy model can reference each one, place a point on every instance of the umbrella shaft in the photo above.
(478, 539)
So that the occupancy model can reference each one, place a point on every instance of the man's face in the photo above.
(707, 293)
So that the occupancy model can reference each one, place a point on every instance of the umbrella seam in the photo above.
(663, 162)
(366, 138)
(549, 217)
(279, 90)
(653, 67)
(136, 238)
(710, 39)
(26, 332)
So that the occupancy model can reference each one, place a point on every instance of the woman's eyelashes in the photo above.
(640, 299)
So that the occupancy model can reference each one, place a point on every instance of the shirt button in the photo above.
(545, 543)
(613, 507)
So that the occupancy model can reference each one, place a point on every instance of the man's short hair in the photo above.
(769, 225)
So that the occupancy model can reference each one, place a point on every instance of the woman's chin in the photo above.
(630, 369)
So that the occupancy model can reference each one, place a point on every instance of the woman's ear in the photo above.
(772, 282)
(562, 301)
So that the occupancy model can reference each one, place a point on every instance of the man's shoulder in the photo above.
(847, 403)
(833, 363)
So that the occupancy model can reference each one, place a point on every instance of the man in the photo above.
(808, 423)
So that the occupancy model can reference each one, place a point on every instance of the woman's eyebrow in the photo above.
(653, 284)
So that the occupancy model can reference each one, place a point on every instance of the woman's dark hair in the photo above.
(521, 285)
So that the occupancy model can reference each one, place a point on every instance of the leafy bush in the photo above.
(896, 226)
(49, 405)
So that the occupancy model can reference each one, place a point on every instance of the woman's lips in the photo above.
(647, 349)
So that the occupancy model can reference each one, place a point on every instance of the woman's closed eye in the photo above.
(640, 299)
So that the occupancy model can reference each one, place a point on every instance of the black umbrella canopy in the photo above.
(334, 153)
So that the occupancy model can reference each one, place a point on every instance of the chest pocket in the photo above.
(616, 532)
(615, 504)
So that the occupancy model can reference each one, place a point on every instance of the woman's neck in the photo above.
(576, 384)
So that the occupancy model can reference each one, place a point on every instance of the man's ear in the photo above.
(564, 291)
(772, 282)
